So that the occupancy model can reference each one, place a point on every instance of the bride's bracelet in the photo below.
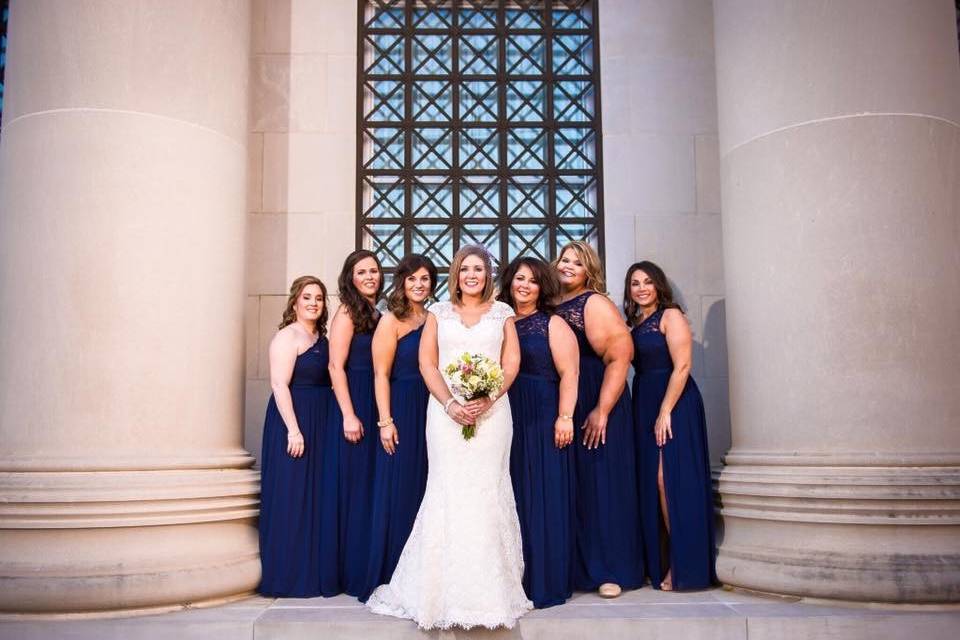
(446, 405)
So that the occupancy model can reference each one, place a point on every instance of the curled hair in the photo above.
(660, 283)
(543, 273)
(362, 312)
(591, 262)
(397, 301)
(296, 288)
(458, 258)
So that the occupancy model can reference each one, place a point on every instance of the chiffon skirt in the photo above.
(543, 485)
(609, 546)
(399, 482)
(294, 534)
(689, 549)
(356, 485)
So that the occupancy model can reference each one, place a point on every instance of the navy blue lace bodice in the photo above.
(310, 369)
(573, 312)
(535, 356)
(650, 351)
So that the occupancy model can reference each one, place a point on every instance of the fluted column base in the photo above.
(876, 530)
(103, 541)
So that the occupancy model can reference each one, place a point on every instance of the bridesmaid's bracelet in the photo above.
(564, 416)
(385, 423)
(446, 405)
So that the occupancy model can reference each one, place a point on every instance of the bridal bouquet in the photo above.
(473, 376)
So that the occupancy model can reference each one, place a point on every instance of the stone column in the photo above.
(840, 153)
(123, 482)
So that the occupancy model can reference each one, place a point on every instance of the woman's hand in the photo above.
(662, 429)
(595, 429)
(562, 432)
(459, 414)
(295, 444)
(389, 438)
(352, 429)
(478, 407)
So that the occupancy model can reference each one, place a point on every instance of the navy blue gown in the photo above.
(609, 548)
(542, 475)
(356, 469)
(686, 468)
(400, 479)
(293, 541)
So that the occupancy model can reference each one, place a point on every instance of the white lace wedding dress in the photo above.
(462, 565)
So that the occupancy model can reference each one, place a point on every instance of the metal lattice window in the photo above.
(479, 123)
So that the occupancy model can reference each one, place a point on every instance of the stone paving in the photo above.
(716, 614)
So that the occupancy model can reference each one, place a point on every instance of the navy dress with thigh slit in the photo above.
(689, 549)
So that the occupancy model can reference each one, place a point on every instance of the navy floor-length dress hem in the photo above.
(689, 550)
(542, 474)
(609, 547)
(357, 468)
(399, 479)
(295, 538)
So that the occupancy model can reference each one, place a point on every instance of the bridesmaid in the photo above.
(351, 372)
(400, 475)
(609, 549)
(292, 537)
(676, 496)
(542, 400)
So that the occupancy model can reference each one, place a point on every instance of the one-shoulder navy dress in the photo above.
(542, 474)
(609, 548)
(399, 479)
(686, 467)
(356, 469)
(292, 536)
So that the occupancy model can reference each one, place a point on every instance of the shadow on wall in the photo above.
(710, 372)
(714, 385)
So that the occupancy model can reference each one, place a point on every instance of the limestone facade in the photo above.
(137, 134)
(840, 153)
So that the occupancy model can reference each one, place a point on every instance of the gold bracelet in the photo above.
(385, 423)
(564, 416)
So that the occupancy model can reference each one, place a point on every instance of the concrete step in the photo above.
(715, 614)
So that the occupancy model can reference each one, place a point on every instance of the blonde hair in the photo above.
(454, 281)
(591, 262)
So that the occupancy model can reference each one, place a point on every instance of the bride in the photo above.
(463, 565)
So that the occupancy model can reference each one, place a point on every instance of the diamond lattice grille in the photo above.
(479, 124)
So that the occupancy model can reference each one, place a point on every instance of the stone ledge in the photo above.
(717, 614)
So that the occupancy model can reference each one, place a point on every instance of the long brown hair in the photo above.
(591, 262)
(543, 273)
(296, 288)
(458, 258)
(397, 301)
(362, 313)
(660, 283)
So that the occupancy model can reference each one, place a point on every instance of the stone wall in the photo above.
(661, 169)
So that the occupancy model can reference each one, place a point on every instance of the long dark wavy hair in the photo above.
(362, 313)
(397, 301)
(660, 283)
(296, 288)
(543, 273)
